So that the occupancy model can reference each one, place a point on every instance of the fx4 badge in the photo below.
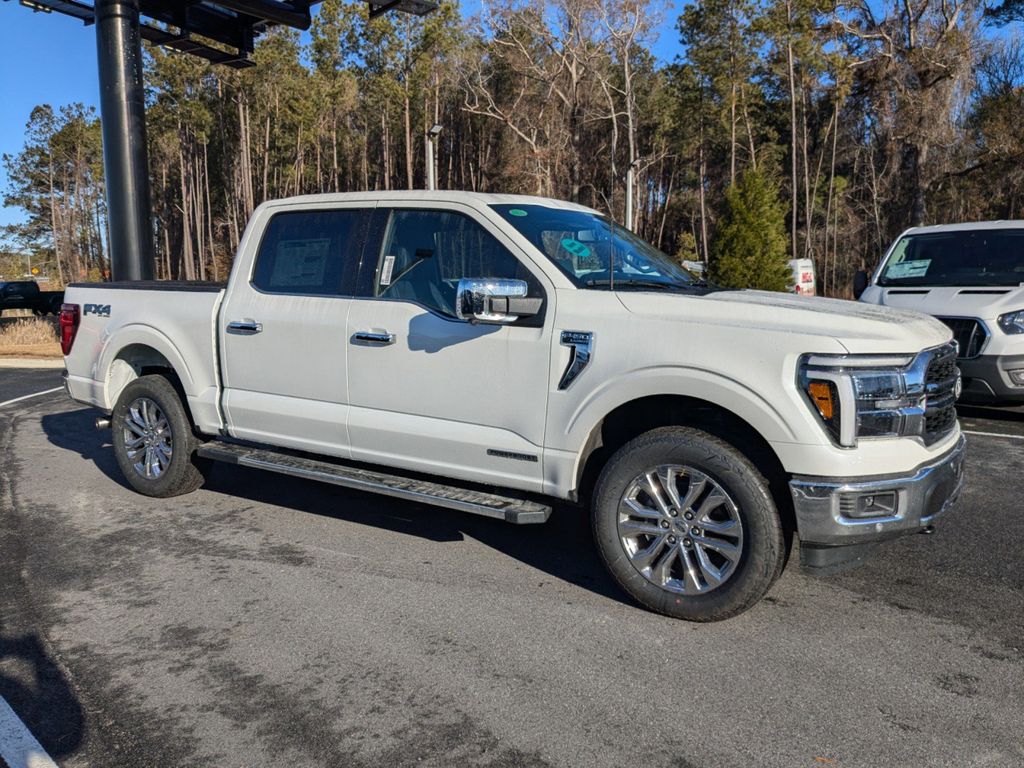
(582, 345)
(100, 310)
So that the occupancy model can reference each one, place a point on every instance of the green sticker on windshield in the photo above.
(575, 247)
(516, 212)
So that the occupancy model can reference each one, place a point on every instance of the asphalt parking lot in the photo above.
(271, 621)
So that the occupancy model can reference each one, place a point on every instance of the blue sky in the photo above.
(44, 58)
(51, 59)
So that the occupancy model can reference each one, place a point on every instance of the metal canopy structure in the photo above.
(233, 24)
(220, 31)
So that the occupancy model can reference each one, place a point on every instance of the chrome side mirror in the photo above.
(493, 300)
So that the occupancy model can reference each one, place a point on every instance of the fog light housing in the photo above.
(865, 505)
(1017, 376)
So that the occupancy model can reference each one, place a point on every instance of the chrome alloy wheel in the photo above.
(147, 438)
(680, 529)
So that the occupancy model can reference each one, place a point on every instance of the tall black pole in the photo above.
(123, 115)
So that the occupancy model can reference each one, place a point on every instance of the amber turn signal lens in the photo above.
(821, 393)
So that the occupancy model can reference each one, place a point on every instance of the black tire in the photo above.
(759, 542)
(184, 472)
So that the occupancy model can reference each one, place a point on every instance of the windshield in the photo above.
(585, 246)
(968, 257)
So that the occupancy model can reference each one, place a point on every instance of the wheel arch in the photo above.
(139, 351)
(635, 417)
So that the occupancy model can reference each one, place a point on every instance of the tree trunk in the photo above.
(245, 157)
(335, 176)
(918, 211)
(407, 115)
(732, 137)
(792, 128)
(209, 214)
(53, 219)
(808, 197)
(185, 265)
(702, 171)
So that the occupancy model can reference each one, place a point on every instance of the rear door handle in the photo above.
(245, 327)
(380, 338)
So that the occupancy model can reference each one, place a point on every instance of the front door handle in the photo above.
(245, 327)
(380, 338)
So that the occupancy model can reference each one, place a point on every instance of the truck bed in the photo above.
(128, 326)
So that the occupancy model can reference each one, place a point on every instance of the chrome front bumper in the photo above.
(825, 507)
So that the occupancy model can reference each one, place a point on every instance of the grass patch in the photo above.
(29, 337)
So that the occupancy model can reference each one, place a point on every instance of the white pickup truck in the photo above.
(495, 354)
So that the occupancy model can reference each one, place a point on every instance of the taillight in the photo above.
(69, 318)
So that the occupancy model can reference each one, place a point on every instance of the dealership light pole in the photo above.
(123, 117)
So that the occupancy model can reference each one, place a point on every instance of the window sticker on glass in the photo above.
(300, 263)
(386, 270)
(516, 212)
(916, 268)
(575, 247)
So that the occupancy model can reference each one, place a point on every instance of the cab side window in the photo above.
(311, 252)
(425, 253)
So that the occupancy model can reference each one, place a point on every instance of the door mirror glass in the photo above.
(493, 300)
(860, 283)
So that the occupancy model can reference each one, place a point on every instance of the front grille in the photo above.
(941, 368)
(940, 388)
(969, 334)
(938, 422)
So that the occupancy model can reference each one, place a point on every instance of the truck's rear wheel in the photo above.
(686, 525)
(153, 439)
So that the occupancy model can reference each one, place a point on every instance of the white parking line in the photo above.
(34, 394)
(18, 747)
(993, 434)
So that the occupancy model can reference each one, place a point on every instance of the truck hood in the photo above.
(860, 328)
(981, 302)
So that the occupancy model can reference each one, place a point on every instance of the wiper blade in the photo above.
(639, 284)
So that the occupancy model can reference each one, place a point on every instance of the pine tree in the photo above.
(57, 180)
(751, 249)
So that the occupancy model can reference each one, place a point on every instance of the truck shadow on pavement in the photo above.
(75, 431)
(562, 548)
(34, 686)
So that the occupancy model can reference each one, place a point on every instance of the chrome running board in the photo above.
(507, 508)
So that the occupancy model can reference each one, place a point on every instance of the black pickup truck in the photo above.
(25, 294)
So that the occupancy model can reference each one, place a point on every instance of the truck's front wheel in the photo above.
(686, 525)
(153, 439)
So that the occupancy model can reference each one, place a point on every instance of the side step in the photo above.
(509, 509)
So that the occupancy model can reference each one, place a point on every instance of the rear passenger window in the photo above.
(310, 252)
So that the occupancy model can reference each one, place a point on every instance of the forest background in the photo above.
(785, 129)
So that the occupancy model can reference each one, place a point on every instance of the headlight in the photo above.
(1012, 322)
(859, 396)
